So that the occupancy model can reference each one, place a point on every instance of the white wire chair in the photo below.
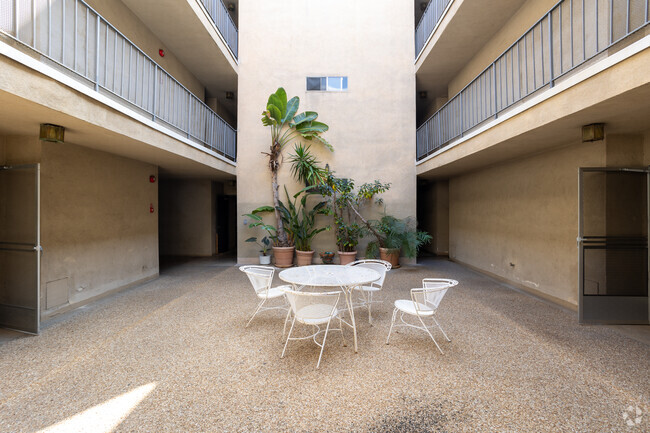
(313, 308)
(381, 267)
(261, 277)
(424, 302)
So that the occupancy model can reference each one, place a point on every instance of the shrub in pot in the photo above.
(393, 236)
(265, 245)
(346, 204)
(300, 223)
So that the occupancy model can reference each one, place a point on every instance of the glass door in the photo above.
(613, 246)
(20, 248)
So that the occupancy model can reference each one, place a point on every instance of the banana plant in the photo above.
(280, 115)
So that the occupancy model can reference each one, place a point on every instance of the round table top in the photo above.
(329, 275)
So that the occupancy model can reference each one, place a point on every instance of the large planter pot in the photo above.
(347, 257)
(391, 255)
(265, 260)
(304, 258)
(283, 256)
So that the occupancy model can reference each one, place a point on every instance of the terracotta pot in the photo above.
(304, 258)
(391, 255)
(345, 257)
(283, 256)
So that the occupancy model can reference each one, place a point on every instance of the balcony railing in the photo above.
(571, 33)
(221, 18)
(71, 34)
(428, 22)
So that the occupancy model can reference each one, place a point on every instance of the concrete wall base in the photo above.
(46, 315)
(521, 288)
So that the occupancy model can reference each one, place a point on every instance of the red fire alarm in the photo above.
(152, 178)
(161, 52)
(151, 208)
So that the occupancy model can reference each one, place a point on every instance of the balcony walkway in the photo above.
(173, 355)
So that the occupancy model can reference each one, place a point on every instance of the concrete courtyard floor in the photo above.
(173, 355)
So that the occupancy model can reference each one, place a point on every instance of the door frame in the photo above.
(36, 248)
(615, 302)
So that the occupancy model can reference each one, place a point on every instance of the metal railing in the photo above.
(73, 35)
(221, 18)
(568, 35)
(428, 22)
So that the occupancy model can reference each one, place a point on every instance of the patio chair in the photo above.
(261, 277)
(312, 308)
(381, 266)
(424, 302)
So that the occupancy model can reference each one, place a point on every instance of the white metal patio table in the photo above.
(345, 277)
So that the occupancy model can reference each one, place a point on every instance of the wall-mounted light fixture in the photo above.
(423, 95)
(593, 132)
(152, 179)
(230, 95)
(50, 132)
(161, 52)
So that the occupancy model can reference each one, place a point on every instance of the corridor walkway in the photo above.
(173, 355)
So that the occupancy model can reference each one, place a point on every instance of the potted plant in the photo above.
(300, 223)
(280, 115)
(394, 235)
(346, 203)
(265, 246)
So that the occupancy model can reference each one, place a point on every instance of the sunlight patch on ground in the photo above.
(104, 417)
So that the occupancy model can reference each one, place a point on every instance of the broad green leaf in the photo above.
(279, 99)
(275, 112)
(253, 239)
(307, 116)
(292, 108)
(263, 209)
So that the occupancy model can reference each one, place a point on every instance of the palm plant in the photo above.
(280, 115)
(397, 234)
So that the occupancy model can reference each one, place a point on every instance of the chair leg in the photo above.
(369, 308)
(256, 310)
(391, 325)
(430, 335)
(443, 331)
(288, 337)
(323, 346)
(286, 319)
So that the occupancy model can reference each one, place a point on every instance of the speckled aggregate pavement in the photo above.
(515, 364)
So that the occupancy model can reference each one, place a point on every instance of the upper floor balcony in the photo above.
(203, 35)
(572, 34)
(72, 37)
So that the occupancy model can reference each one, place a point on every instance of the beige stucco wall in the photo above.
(96, 226)
(519, 220)
(372, 125)
(121, 17)
(523, 213)
(187, 217)
(96, 230)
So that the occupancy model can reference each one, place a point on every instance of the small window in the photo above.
(328, 84)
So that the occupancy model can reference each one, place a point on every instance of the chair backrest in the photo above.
(261, 277)
(312, 305)
(380, 266)
(434, 289)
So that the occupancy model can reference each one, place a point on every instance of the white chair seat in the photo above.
(368, 288)
(408, 307)
(273, 292)
(315, 314)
